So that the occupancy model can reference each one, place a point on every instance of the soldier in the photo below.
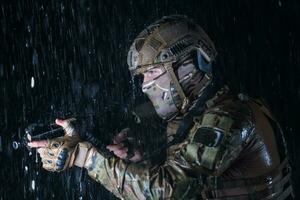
(220, 145)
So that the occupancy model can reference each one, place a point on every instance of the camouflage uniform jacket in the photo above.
(230, 153)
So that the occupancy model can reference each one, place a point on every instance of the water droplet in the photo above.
(35, 58)
(234, 19)
(32, 82)
(33, 184)
(26, 169)
(279, 3)
(36, 157)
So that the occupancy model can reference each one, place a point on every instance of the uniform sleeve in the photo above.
(218, 138)
(141, 181)
(213, 144)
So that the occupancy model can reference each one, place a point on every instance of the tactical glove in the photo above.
(64, 152)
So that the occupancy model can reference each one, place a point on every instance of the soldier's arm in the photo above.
(134, 181)
(213, 144)
(139, 181)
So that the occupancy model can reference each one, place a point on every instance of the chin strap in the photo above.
(196, 109)
(184, 99)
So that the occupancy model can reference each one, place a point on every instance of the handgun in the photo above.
(38, 131)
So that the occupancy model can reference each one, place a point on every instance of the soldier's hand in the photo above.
(121, 147)
(58, 154)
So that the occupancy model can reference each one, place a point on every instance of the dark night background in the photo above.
(63, 58)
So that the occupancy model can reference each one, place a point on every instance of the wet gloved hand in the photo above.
(123, 147)
(60, 153)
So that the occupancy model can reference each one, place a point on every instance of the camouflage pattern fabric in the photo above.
(217, 139)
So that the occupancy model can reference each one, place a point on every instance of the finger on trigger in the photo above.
(36, 144)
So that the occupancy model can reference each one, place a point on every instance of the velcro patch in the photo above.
(215, 121)
(208, 137)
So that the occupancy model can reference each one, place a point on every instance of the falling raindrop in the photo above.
(36, 157)
(33, 185)
(32, 82)
(35, 58)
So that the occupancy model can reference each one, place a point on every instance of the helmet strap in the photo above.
(185, 100)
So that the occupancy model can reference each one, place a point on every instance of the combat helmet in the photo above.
(168, 41)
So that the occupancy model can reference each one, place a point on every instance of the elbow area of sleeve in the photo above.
(142, 181)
